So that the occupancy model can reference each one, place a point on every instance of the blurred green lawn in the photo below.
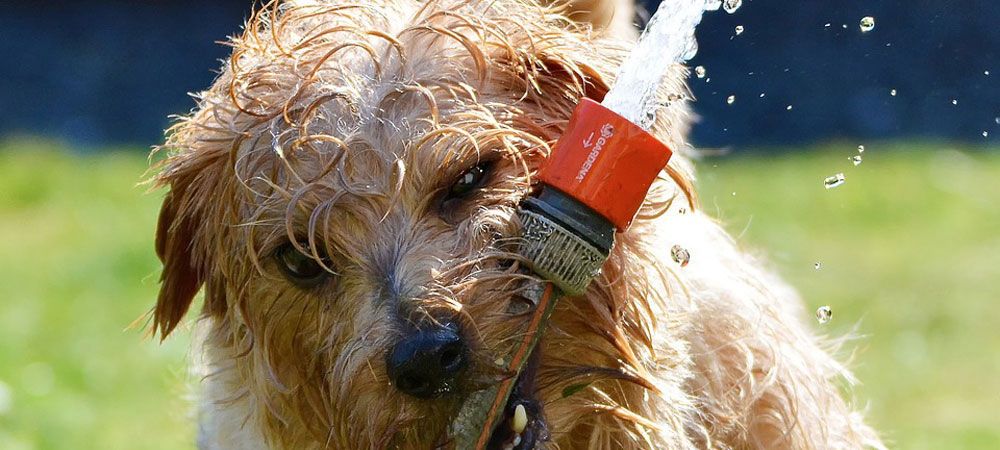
(909, 250)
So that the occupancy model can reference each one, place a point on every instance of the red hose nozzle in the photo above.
(593, 184)
(605, 162)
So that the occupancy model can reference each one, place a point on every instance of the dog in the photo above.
(344, 195)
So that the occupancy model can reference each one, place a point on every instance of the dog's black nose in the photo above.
(427, 363)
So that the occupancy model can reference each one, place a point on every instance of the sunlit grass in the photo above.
(909, 251)
(76, 268)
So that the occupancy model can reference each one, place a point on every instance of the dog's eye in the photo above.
(470, 180)
(300, 268)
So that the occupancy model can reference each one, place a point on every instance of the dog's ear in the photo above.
(181, 278)
(557, 78)
(592, 84)
(609, 16)
(193, 172)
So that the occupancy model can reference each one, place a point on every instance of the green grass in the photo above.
(76, 268)
(909, 247)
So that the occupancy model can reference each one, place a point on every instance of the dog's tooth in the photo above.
(520, 419)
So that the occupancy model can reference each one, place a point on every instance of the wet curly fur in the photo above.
(337, 126)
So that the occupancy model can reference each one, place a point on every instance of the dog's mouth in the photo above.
(522, 425)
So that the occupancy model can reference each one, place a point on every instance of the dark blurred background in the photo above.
(101, 73)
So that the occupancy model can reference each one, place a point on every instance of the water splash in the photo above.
(861, 149)
(739, 30)
(700, 71)
(731, 99)
(680, 255)
(834, 181)
(824, 314)
(667, 40)
(856, 159)
(867, 24)
(731, 5)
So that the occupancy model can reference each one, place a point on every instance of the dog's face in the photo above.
(345, 194)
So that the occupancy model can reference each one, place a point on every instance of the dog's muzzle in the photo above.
(428, 363)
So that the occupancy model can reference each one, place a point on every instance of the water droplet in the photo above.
(834, 181)
(856, 159)
(700, 71)
(997, 120)
(954, 102)
(867, 24)
(861, 149)
(986, 134)
(731, 5)
(761, 95)
(739, 30)
(892, 92)
(789, 108)
(827, 25)
(824, 314)
(731, 99)
(986, 72)
(680, 255)
(734, 193)
(817, 266)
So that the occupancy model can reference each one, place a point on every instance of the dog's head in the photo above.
(345, 195)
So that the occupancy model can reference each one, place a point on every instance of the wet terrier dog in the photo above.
(344, 195)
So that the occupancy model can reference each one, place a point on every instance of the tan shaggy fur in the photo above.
(337, 126)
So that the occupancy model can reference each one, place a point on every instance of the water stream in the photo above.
(667, 40)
